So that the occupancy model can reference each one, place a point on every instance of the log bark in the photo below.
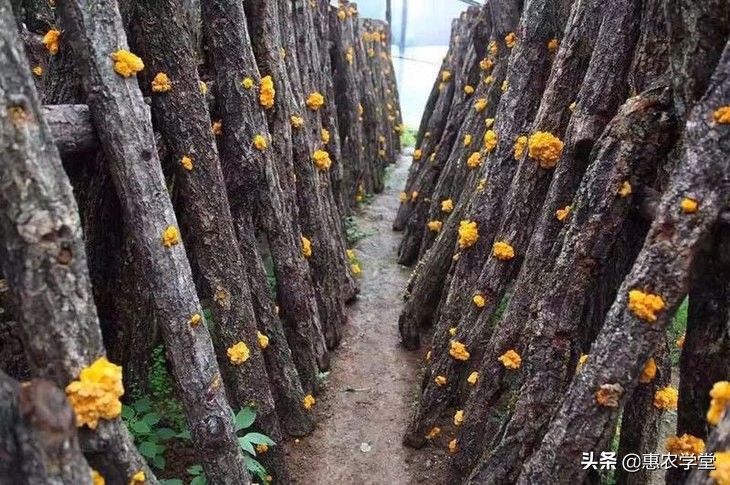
(119, 114)
(253, 182)
(38, 440)
(42, 254)
(182, 117)
(662, 268)
(719, 441)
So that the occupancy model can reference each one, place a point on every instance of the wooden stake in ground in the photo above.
(107, 69)
(43, 258)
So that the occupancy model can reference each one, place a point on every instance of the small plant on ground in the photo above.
(408, 138)
(352, 231)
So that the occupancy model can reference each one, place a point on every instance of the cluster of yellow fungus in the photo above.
(445, 76)
(238, 353)
(315, 101)
(649, 371)
(170, 236)
(581, 362)
(666, 398)
(414, 195)
(417, 154)
(489, 122)
(355, 269)
(267, 93)
(511, 360)
(721, 115)
(138, 478)
(563, 213)
(689, 206)
(459, 417)
(510, 40)
(447, 206)
(296, 121)
(490, 141)
(608, 395)
(325, 136)
(493, 48)
(452, 331)
(553, 45)
(520, 146)
(468, 89)
(203, 87)
(195, 319)
(473, 378)
(51, 41)
(468, 234)
(435, 431)
(479, 301)
(403, 197)
(685, 445)
(486, 64)
(645, 305)
(503, 251)
(440, 381)
(37, 70)
(247, 83)
(721, 473)
(350, 55)
(260, 142)
(261, 448)
(453, 446)
(680, 341)
(95, 395)
(126, 64)
(217, 127)
(719, 399)
(458, 351)
(350, 253)
(545, 148)
(306, 247)
(309, 401)
(96, 478)
(488, 79)
(434, 226)
(342, 15)
(625, 189)
(187, 163)
(321, 159)
(505, 85)
(572, 106)
(467, 140)
(161, 83)
(480, 105)
(474, 160)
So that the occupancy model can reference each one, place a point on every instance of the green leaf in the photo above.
(184, 435)
(127, 412)
(259, 439)
(151, 418)
(245, 418)
(141, 427)
(171, 481)
(195, 470)
(148, 449)
(199, 480)
(159, 462)
(142, 405)
(246, 446)
(165, 433)
(255, 467)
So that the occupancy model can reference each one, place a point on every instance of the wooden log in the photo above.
(38, 440)
(182, 117)
(254, 187)
(662, 269)
(514, 115)
(330, 270)
(43, 259)
(121, 119)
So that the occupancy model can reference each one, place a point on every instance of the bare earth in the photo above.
(363, 411)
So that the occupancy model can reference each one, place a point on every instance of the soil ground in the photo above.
(362, 414)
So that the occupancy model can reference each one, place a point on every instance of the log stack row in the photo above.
(182, 171)
(568, 190)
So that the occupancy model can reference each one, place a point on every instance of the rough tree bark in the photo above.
(662, 268)
(253, 182)
(42, 254)
(120, 116)
(182, 118)
(38, 440)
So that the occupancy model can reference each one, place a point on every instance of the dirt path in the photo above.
(362, 413)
